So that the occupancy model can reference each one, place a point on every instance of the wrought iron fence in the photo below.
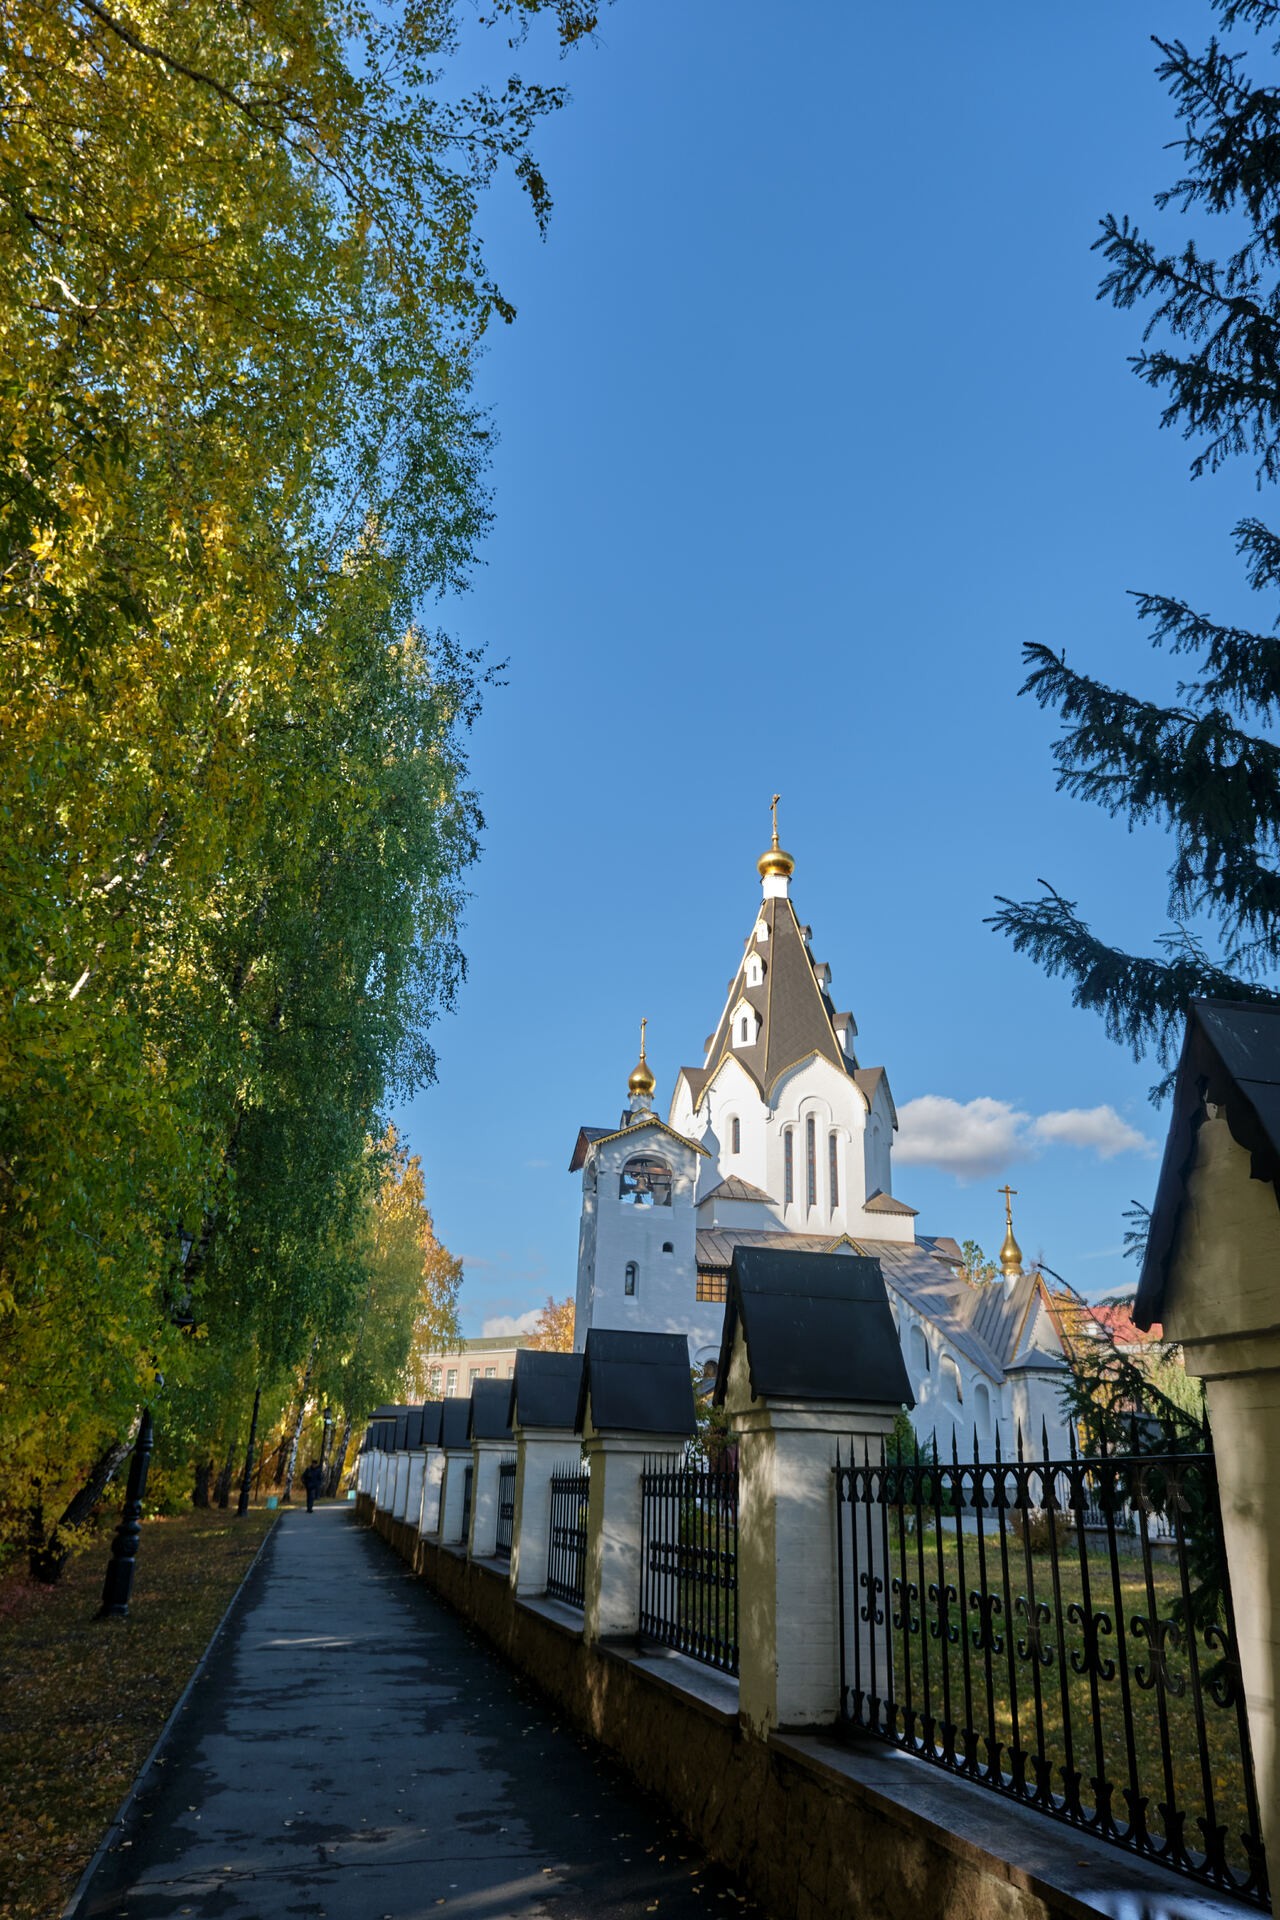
(1003, 1619)
(468, 1477)
(689, 1560)
(567, 1547)
(506, 1507)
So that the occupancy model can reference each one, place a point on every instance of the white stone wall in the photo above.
(813, 1088)
(615, 1233)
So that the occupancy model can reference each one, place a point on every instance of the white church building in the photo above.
(782, 1138)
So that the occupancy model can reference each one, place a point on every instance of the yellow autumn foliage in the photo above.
(240, 291)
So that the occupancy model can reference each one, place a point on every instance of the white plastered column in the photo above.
(788, 1589)
(413, 1488)
(614, 1504)
(540, 1453)
(486, 1457)
(1223, 1303)
(383, 1476)
(432, 1488)
(456, 1462)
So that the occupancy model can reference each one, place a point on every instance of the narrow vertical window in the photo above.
(833, 1171)
(811, 1160)
(788, 1167)
(744, 1030)
(735, 1135)
(630, 1277)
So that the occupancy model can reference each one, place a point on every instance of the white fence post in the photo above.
(810, 1363)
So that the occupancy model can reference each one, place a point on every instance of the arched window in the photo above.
(920, 1362)
(644, 1182)
(833, 1171)
(745, 1023)
(951, 1379)
(630, 1278)
(982, 1411)
(735, 1135)
(811, 1161)
(788, 1167)
(667, 1247)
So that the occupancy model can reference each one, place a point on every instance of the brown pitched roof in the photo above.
(881, 1202)
(735, 1189)
(985, 1323)
(795, 1013)
(589, 1136)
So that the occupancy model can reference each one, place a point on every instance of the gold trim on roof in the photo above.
(650, 1120)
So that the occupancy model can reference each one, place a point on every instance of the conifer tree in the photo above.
(1207, 765)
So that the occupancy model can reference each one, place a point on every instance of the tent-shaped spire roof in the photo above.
(781, 992)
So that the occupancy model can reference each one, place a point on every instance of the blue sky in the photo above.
(810, 417)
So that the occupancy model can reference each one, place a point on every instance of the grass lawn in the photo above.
(83, 1700)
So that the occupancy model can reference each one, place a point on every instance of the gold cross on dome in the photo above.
(643, 1025)
(1010, 1195)
(774, 811)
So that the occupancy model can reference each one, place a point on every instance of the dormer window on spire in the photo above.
(745, 1025)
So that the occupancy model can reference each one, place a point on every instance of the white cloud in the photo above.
(1100, 1128)
(498, 1323)
(973, 1138)
(967, 1138)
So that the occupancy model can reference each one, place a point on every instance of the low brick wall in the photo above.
(814, 1830)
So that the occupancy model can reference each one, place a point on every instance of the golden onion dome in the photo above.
(641, 1083)
(774, 859)
(1010, 1252)
(642, 1080)
(1011, 1257)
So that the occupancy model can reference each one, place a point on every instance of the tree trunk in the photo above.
(335, 1471)
(297, 1425)
(222, 1492)
(48, 1553)
(242, 1505)
(200, 1491)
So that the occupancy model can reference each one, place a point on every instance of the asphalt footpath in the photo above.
(353, 1752)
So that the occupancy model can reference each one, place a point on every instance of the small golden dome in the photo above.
(642, 1080)
(774, 860)
(642, 1083)
(1010, 1252)
(1011, 1257)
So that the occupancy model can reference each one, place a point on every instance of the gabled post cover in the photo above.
(545, 1388)
(432, 1414)
(636, 1383)
(455, 1423)
(816, 1326)
(490, 1417)
(1230, 1056)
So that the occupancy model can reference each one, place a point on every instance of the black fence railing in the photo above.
(1060, 1631)
(506, 1508)
(468, 1479)
(689, 1560)
(567, 1545)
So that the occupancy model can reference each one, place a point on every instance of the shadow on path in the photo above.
(353, 1752)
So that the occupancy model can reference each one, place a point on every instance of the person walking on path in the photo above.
(398, 1768)
(313, 1480)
